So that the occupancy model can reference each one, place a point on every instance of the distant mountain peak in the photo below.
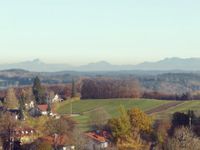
(37, 61)
(101, 63)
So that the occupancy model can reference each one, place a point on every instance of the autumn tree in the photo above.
(11, 99)
(61, 127)
(127, 129)
(38, 91)
(139, 120)
(161, 132)
(120, 127)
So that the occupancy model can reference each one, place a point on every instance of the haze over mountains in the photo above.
(183, 64)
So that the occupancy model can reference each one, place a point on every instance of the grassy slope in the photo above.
(110, 105)
(85, 107)
(185, 106)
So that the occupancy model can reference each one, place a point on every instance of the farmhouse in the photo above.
(97, 140)
(43, 109)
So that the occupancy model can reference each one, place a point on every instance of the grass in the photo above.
(85, 107)
(185, 106)
(110, 105)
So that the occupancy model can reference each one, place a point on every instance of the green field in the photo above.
(110, 105)
(85, 107)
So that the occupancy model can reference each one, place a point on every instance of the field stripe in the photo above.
(163, 107)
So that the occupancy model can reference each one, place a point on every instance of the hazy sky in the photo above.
(82, 31)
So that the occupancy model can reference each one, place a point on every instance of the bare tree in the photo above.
(183, 139)
(11, 99)
(7, 126)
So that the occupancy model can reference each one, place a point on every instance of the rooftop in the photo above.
(43, 107)
(96, 137)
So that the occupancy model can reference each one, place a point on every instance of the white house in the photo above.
(56, 99)
(30, 105)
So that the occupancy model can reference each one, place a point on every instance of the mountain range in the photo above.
(167, 64)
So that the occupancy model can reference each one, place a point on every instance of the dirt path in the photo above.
(163, 107)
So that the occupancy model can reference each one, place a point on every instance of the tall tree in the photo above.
(11, 99)
(139, 120)
(73, 93)
(38, 91)
(49, 108)
(21, 110)
(120, 127)
(125, 132)
(60, 127)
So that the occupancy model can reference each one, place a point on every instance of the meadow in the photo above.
(159, 109)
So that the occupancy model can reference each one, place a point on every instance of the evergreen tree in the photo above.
(38, 91)
(73, 93)
(21, 110)
(11, 99)
(22, 100)
(49, 108)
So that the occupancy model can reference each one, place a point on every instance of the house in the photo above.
(97, 140)
(25, 135)
(34, 112)
(43, 109)
(61, 142)
(56, 99)
(14, 112)
(29, 105)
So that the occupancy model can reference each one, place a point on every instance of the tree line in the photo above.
(101, 88)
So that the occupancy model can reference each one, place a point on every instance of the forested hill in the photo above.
(160, 81)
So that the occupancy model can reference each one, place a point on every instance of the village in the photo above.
(34, 124)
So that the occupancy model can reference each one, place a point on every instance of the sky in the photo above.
(82, 31)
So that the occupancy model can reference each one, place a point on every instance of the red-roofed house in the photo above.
(97, 141)
(43, 109)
